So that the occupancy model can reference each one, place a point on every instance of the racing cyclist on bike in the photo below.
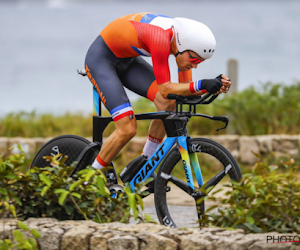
(114, 61)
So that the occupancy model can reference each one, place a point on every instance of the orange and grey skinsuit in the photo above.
(114, 60)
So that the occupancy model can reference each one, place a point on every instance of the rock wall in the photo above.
(241, 147)
(88, 235)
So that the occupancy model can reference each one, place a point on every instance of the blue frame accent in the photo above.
(146, 171)
(96, 103)
(197, 169)
(188, 160)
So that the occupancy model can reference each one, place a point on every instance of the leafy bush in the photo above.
(51, 192)
(268, 109)
(263, 201)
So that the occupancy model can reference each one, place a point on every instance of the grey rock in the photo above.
(263, 245)
(247, 145)
(3, 146)
(51, 238)
(151, 241)
(194, 241)
(77, 238)
(123, 243)
(99, 240)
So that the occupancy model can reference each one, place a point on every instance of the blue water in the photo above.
(42, 43)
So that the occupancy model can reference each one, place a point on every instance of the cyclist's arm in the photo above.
(187, 77)
(216, 86)
(182, 89)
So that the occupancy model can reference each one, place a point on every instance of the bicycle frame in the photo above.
(175, 125)
(189, 160)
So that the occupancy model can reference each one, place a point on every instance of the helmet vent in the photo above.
(205, 50)
(209, 50)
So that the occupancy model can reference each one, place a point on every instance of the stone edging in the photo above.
(241, 147)
(88, 235)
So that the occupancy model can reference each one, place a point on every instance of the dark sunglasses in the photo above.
(195, 59)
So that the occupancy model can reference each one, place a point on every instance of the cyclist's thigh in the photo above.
(140, 79)
(100, 66)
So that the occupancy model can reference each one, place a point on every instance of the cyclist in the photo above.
(114, 61)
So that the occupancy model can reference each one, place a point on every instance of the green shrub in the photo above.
(51, 192)
(263, 201)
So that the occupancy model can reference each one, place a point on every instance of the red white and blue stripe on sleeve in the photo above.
(195, 86)
(121, 111)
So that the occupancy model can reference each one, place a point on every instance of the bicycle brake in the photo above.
(223, 119)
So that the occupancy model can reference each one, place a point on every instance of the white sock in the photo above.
(151, 146)
(99, 163)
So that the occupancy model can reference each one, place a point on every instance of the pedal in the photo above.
(111, 178)
(115, 189)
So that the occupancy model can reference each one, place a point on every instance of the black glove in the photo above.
(211, 85)
(219, 77)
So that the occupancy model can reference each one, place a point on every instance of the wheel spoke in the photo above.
(215, 180)
(179, 183)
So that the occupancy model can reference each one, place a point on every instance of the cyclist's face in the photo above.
(188, 60)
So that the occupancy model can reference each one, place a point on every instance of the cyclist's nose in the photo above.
(194, 65)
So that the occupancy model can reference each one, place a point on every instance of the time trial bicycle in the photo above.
(178, 152)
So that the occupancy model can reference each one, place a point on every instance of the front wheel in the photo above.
(213, 159)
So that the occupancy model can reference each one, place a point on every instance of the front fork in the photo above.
(190, 160)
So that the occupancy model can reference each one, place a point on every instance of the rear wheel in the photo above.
(72, 146)
(213, 159)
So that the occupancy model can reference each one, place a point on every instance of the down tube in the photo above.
(186, 160)
(146, 171)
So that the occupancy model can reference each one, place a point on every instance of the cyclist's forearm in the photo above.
(182, 89)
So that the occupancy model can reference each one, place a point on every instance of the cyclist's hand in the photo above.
(226, 83)
(211, 85)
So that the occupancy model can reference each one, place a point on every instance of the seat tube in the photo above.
(96, 103)
(182, 141)
(96, 112)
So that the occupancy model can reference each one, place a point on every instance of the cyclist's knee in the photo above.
(163, 104)
(126, 128)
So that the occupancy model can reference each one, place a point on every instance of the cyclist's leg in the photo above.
(101, 65)
(140, 79)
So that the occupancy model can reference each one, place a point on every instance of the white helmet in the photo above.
(194, 36)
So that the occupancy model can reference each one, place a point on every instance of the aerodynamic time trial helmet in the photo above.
(194, 36)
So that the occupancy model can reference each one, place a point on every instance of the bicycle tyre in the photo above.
(70, 145)
(199, 145)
